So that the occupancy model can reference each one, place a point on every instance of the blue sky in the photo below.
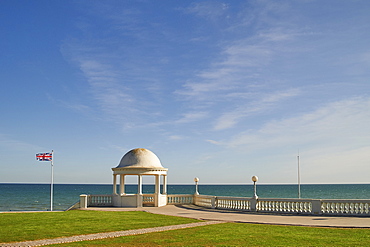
(218, 90)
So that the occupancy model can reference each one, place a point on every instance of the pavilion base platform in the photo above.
(136, 200)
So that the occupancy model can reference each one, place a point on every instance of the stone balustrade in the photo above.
(233, 203)
(340, 207)
(287, 206)
(205, 201)
(148, 199)
(345, 207)
(99, 200)
(180, 199)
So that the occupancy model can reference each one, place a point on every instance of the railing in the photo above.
(284, 205)
(341, 207)
(346, 207)
(233, 203)
(287, 206)
(180, 199)
(100, 200)
(148, 199)
(205, 201)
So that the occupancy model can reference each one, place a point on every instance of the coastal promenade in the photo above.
(196, 212)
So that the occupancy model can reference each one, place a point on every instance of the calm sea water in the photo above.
(30, 197)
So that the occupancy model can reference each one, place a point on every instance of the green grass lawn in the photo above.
(32, 226)
(242, 234)
(41, 225)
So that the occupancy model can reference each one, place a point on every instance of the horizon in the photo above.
(251, 184)
(219, 91)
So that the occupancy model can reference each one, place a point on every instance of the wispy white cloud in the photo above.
(242, 80)
(191, 117)
(9, 143)
(263, 104)
(210, 10)
(122, 93)
(213, 142)
(237, 68)
(176, 137)
(248, 61)
(115, 98)
(343, 125)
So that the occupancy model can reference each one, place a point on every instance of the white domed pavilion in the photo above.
(139, 162)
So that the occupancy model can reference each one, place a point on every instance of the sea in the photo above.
(36, 197)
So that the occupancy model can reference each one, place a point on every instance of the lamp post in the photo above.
(196, 180)
(255, 179)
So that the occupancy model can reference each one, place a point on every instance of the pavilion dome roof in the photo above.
(140, 158)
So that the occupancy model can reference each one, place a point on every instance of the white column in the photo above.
(157, 184)
(122, 185)
(115, 184)
(140, 185)
(164, 184)
(139, 196)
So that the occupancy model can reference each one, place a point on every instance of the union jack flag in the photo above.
(44, 156)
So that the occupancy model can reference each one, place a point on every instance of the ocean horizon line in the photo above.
(41, 183)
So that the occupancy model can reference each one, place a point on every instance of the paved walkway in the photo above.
(196, 212)
(211, 216)
(192, 211)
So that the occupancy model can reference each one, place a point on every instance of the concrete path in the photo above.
(192, 211)
(96, 236)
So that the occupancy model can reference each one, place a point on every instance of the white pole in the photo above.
(299, 179)
(52, 180)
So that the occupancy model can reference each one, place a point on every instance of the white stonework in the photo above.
(140, 162)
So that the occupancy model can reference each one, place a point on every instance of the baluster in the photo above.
(323, 207)
(361, 208)
(357, 209)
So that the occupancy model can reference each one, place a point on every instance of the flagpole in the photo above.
(299, 178)
(52, 180)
